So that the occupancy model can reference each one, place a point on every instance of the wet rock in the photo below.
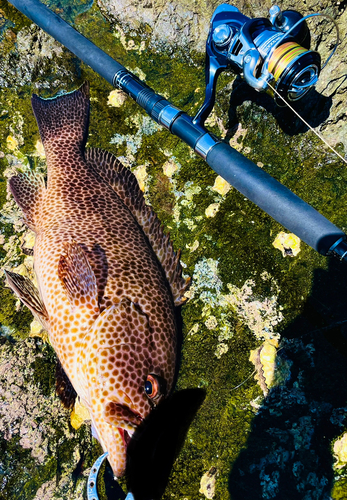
(181, 24)
(34, 425)
(27, 55)
(243, 292)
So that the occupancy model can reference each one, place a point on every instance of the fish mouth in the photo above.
(126, 436)
(124, 419)
(131, 420)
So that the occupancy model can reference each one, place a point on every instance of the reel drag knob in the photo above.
(222, 35)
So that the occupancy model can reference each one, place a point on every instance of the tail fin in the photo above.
(64, 117)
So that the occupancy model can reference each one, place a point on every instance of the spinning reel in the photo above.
(272, 55)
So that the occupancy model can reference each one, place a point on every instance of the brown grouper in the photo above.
(109, 280)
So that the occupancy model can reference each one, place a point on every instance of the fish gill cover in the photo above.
(273, 427)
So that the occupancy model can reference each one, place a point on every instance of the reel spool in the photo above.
(295, 71)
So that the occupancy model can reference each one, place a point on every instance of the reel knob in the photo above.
(276, 18)
(222, 35)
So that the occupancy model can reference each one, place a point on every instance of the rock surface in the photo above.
(174, 24)
(272, 437)
(32, 416)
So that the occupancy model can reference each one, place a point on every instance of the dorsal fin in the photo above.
(29, 295)
(125, 184)
(28, 189)
(65, 116)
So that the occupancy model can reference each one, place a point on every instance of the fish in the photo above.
(109, 280)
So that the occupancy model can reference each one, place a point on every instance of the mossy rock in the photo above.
(261, 448)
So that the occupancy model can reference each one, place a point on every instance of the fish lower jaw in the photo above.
(126, 435)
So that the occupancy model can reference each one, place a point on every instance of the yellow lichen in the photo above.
(28, 239)
(129, 44)
(221, 349)
(26, 269)
(215, 120)
(37, 330)
(189, 294)
(340, 450)
(288, 244)
(138, 72)
(194, 329)
(21, 269)
(236, 140)
(268, 358)
(12, 143)
(116, 98)
(261, 316)
(211, 323)
(40, 150)
(190, 224)
(169, 168)
(221, 186)
(141, 175)
(193, 246)
(79, 415)
(212, 209)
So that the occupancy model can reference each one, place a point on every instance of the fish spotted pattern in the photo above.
(109, 280)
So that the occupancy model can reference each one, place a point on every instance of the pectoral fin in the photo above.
(28, 189)
(29, 295)
(64, 388)
(78, 278)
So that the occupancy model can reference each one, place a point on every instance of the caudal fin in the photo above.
(64, 117)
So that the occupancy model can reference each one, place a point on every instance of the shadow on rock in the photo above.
(113, 491)
(157, 442)
(314, 108)
(288, 454)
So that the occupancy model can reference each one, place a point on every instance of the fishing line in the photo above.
(307, 124)
(249, 376)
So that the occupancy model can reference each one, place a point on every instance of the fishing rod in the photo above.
(270, 61)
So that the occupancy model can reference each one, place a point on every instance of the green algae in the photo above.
(18, 321)
(228, 426)
(70, 9)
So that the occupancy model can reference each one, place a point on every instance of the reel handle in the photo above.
(213, 67)
(215, 62)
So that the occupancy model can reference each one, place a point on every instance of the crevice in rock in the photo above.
(342, 5)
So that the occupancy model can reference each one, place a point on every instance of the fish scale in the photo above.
(109, 280)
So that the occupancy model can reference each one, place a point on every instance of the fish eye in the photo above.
(152, 387)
